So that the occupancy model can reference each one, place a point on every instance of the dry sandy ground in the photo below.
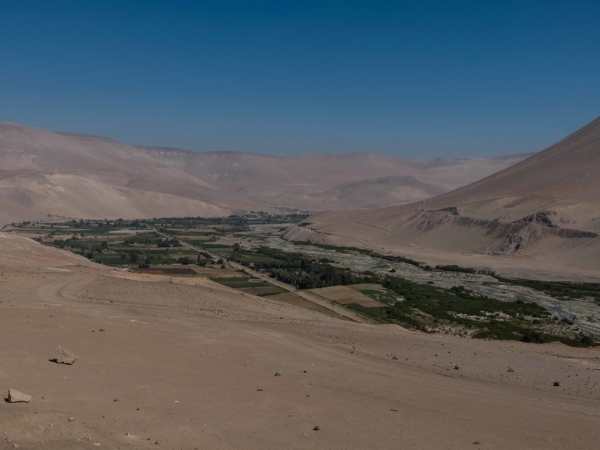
(448, 252)
(185, 362)
(540, 216)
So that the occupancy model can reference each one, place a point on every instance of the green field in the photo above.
(212, 246)
(256, 258)
(112, 259)
(78, 231)
(375, 313)
(239, 282)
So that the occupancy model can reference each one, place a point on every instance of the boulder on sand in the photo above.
(65, 357)
(18, 397)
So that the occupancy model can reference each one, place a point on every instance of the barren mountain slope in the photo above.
(330, 182)
(563, 179)
(392, 190)
(45, 173)
(544, 209)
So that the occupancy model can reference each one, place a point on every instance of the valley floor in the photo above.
(187, 363)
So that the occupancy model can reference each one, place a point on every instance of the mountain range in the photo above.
(56, 174)
(543, 211)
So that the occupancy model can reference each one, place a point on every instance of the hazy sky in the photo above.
(405, 78)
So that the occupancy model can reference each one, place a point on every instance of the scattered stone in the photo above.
(278, 374)
(456, 367)
(394, 358)
(18, 397)
(259, 390)
(556, 383)
(65, 357)
(316, 428)
(101, 329)
(71, 419)
(510, 370)
(477, 443)
(15, 445)
(306, 371)
(116, 400)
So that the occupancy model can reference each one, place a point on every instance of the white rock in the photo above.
(18, 397)
(65, 357)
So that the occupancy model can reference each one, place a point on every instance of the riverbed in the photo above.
(584, 313)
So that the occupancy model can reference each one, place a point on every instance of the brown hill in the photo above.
(72, 175)
(46, 173)
(371, 193)
(320, 182)
(562, 182)
(544, 211)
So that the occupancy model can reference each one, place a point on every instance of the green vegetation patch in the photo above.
(239, 282)
(363, 251)
(386, 296)
(298, 269)
(264, 290)
(559, 289)
(426, 307)
(255, 258)
(203, 244)
(379, 314)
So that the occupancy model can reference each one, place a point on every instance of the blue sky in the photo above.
(404, 78)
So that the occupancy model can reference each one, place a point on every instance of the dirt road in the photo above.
(305, 295)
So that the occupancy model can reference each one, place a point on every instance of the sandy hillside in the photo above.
(72, 175)
(45, 173)
(163, 364)
(316, 182)
(543, 212)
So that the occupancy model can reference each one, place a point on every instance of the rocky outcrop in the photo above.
(304, 224)
(512, 244)
(540, 218)
(451, 209)
(478, 235)
(511, 236)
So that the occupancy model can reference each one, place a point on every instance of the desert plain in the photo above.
(179, 363)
